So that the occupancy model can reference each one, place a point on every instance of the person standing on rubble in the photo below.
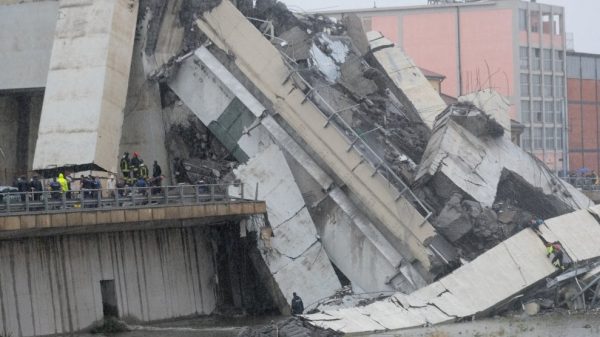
(297, 305)
(125, 165)
(555, 250)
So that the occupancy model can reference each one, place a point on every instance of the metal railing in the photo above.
(15, 203)
(357, 142)
(584, 183)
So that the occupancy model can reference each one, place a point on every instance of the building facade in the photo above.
(515, 47)
(583, 93)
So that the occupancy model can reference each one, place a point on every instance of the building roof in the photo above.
(576, 53)
(399, 8)
(432, 74)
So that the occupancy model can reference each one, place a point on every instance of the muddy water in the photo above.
(198, 327)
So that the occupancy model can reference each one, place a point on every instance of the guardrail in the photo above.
(12, 203)
(355, 140)
(584, 183)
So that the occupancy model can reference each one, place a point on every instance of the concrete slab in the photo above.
(87, 84)
(498, 274)
(408, 78)
(475, 165)
(577, 232)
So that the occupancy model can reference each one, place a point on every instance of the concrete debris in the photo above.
(495, 106)
(371, 181)
(292, 327)
(475, 120)
(414, 89)
(481, 168)
(296, 44)
(509, 269)
(354, 29)
(454, 221)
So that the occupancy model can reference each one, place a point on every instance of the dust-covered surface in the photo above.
(557, 324)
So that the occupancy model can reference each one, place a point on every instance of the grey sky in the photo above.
(581, 15)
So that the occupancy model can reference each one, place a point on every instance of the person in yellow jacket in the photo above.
(64, 185)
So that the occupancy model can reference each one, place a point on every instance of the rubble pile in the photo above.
(223, 120)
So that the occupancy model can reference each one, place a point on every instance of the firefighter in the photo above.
(125, 165)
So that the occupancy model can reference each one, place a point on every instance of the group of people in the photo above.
(136, 173)
(58, 186)
(34, 186)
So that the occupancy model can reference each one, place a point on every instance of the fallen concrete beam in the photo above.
(87, 83)
(499, 274)
(262, 64)
(476, 166)
(408, 78)
(208, 88)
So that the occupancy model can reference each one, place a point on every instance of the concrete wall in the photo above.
(19, 121)
(52, 285)
(26, 36)
(87, 84)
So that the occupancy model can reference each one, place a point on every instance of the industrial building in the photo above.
(583, 86)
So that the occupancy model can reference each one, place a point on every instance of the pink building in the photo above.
(515, 47)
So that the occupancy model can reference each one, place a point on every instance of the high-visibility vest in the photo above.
(144, 171)
(124, 165)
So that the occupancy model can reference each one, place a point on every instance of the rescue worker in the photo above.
(156, 170)
(555, 249)
(64, 186)
(55, 188)
(535, 225)
(125, 165)
(36, 188)
(144, 172)
(23, 187)
(297, 305)
(135, 165)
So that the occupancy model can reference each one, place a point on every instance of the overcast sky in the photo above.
(581, 15)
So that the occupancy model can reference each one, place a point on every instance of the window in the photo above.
(573, 67)
(536, 59)
(550, 138)
(535, 21)
(560, 87)
(588, 68)
(536, 112)
(547, 53)
(524, 57)
(556, 24)
(536, 85)
(549, 112)
(525, 112)
(526, 139)
(558, 61)
(524, 85)
(548, 85)
(522, 19)
(559, 111)
(538, 138)
(546, 23)
(559, 139)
